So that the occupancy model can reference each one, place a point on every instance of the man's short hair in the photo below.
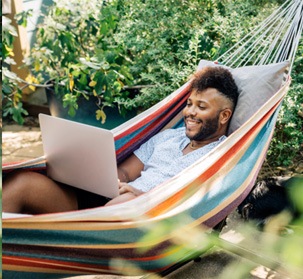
(219, 78)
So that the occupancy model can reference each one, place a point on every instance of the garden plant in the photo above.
(109, 46)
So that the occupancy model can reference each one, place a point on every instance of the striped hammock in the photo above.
(139, 236)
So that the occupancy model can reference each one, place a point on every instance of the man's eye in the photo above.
(200, 107)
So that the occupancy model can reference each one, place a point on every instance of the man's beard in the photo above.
(210, 126)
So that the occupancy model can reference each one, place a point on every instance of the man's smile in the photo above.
(192, 123)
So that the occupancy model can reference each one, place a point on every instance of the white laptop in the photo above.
(80, 155)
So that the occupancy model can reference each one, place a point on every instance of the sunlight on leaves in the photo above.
(100, 114)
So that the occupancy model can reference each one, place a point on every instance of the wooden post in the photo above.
(21, 44)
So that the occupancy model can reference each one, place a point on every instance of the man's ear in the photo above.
(225, 115)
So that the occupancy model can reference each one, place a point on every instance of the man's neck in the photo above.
(195, 144)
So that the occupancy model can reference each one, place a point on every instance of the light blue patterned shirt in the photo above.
(163, 158)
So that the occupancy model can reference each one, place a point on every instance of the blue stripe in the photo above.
(34, 275)
(64, 237)
(122, 141)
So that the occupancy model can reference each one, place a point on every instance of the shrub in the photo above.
(75, 50)
(11, 91)
(287, 143)
(165, 40)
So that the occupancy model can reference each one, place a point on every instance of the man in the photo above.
(213, 97)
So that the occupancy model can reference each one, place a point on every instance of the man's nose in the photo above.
(192, 110)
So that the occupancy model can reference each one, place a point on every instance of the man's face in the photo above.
(202, 114)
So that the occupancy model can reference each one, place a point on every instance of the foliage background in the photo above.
(287, 145)
(166, 39)
(161, 43)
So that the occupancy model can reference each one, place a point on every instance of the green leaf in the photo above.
(89, 64)
(104, 28)
(100, 114)
(101, 84)
(22, 17)
(70, 102)
(117, 86)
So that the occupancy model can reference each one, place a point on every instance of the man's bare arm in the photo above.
(130, 169)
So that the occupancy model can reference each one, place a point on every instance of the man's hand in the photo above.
(126, 193)
(126, 188)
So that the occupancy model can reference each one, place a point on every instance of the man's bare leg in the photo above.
(34, 193)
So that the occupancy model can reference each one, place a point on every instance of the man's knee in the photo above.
(36, 193)
(19, 180)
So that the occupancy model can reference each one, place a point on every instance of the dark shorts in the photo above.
(87, 199)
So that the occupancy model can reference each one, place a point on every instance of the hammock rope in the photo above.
(274, 40)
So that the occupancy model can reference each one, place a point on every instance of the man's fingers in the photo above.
(122, 184)
(124, 189)
(121, 190)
